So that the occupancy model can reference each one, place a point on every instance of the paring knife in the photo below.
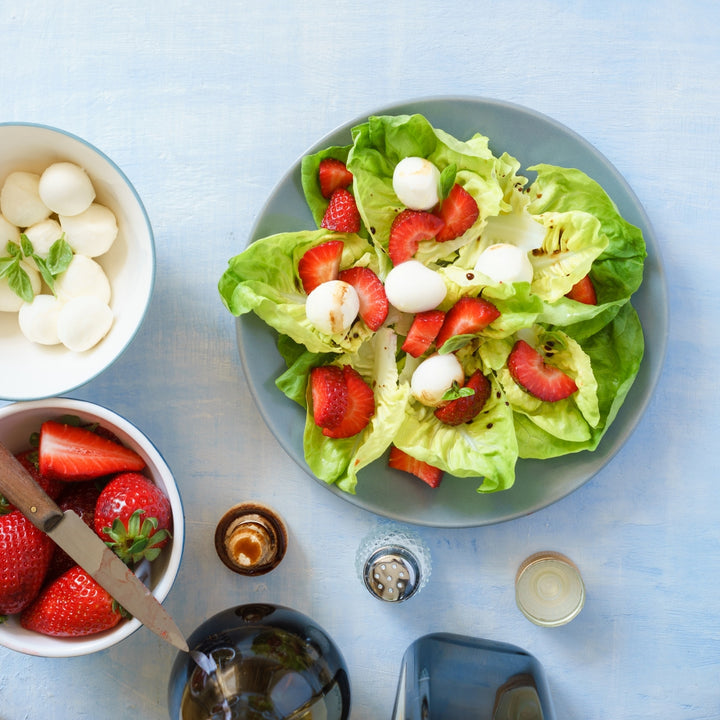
(82, 544)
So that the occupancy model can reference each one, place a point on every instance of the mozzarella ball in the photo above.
(8, 233)
(412, 287)
(332, 307)
(38, 320)
(505, 263)
(20, 201)
(66, 188)
(83, 322)
(83, 277)
(91, 232)
(9, 300)
(42, 235)
(434, 377)
(416, 182)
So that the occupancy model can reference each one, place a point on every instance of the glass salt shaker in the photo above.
(393, 562)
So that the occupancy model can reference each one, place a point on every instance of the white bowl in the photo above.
(17, 422)
(32, 371)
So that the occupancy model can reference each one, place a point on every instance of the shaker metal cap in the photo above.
(391, 573)
(549, 590)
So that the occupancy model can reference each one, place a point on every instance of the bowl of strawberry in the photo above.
(90, 460)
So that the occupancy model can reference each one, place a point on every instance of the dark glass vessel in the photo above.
(262, 662)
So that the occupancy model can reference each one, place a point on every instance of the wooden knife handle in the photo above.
(19, 488)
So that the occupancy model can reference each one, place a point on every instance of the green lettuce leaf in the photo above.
(263, 279)
(378, 146)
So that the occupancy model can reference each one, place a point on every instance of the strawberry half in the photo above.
(400, 460)
(361, 406)
(423, 331)
(333, 174)
(320, 264)
(467, 316)
(73, 453)
(534, 375)
(371, 293)
(342, 213)
(459, 211)
(583, 291)
(73, 605)
(465, 408)
(408, 230)
(329, 395)
(133, 516)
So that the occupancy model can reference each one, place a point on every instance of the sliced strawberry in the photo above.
(342, 213)
(73, 453)
(320, 264)
(361, 406)
(423, 331)
(371, 292)
(329, 395)
(534, 375)
(333, 174)
(467, 316)
(400, 460)
(583, 291)
(408, 230)
(459, 212)
(465, 408)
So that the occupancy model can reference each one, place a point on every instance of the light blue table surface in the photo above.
(205, 106)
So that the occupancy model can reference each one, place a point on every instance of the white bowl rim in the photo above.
(73, 647)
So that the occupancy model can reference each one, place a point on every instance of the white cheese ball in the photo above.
(91, 232)
(38, 320)
(42, 235)
(412, 287)
(332, 307)
(9, 300)
(416, 182)
(83, 322)
(505, 263)
(434, 377)
(20, 201)
(8, 233)
(84, 276)
(66, 188)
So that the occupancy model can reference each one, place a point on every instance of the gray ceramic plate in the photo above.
(531, 138)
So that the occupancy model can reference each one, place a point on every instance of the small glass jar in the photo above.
(549, 589)
(251, 539)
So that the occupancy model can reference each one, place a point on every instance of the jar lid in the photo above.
(549, 590)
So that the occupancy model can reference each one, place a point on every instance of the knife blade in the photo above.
(81, 543)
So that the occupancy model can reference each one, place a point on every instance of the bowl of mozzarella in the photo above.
(77, 261)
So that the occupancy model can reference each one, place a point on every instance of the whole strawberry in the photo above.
(72, 605)
(25, 555)
(134, 517)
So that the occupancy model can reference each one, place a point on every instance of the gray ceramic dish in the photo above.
(532, 138)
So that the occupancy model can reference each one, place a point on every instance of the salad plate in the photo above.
(533, 139)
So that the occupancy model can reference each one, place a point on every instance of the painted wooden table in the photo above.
(205, 106)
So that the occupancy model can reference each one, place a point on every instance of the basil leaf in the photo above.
(456, 392)
(47, 276)
(19, 282)
(447, 180)
(455, 343)
(59, 256)
(13, 249)
(6, 264)
(26, 245)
